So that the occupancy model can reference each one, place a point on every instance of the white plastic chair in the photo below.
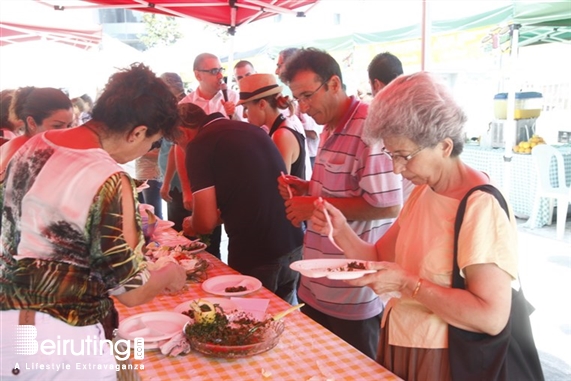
(542, 156)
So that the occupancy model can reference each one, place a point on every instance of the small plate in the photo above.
(329, 268)
(153, 327)
(163, 225)
(226, 304)
(218, 284)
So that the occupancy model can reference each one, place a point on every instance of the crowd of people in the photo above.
(320, 174)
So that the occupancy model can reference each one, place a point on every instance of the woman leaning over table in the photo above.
(39, 109)
(70, 233)
(421, 127)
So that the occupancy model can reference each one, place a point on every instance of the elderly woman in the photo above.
(71, 235)
(421, 127)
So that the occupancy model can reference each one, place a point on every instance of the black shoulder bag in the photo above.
(510, 355)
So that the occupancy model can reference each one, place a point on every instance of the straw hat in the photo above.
(257, 86)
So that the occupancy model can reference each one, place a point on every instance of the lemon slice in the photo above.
(203, 311)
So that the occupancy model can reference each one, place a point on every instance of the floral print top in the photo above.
(62, 246)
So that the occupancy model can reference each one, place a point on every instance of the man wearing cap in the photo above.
(354, 177)
(233, 167)
(262, 99)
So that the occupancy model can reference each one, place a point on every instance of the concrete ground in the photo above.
(545, 271)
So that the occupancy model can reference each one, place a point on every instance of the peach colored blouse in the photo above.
(425, 247)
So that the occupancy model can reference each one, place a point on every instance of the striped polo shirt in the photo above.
(347, 167)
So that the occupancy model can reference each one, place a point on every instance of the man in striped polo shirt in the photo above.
(356, 178)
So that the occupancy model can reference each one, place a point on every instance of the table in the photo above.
(306, 350)
(523, 180)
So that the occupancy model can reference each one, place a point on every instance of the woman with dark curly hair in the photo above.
(71, 235)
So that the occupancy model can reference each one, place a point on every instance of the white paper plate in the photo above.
(153, 327)
(167, 238)
(226, 304)
(163, 225)
(218, 284)
(329, 268)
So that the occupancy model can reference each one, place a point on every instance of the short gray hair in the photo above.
(419, 107)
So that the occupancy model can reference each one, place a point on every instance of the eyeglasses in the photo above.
(156, 144)
(214, 71)
(305, 98)
(401, 158)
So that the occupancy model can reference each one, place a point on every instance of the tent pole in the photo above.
(426, 36)
(510, 123)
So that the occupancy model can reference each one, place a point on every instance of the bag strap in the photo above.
(457, 280)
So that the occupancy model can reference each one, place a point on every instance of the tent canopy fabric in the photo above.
(230, 13)
(543, 22)
(22, 21)
(539, 23)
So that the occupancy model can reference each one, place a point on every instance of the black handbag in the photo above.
(510, 355)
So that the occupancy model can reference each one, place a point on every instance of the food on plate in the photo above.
(236, 289)
(203, 311)
(138, 183)
(184, 255)
(225, 331)
(351, 266)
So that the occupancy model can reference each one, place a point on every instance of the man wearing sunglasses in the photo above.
(351, 175)
(208, 96)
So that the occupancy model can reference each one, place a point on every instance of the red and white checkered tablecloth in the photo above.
(306, 350)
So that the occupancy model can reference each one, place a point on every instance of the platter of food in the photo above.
(155, 328)
(231, 285)
(185, 255)
(232, 335)
(214, 304)
(341, 269)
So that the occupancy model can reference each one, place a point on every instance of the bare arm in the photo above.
(287, 145)
(169, 278)
(483, 307)
(168, 175)
(205, 215)
(180, 159)
(353, 208)
(353, 246)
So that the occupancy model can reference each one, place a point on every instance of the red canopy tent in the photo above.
(230, 13)
(30, 21)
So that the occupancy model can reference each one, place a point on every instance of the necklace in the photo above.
(96, 134)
